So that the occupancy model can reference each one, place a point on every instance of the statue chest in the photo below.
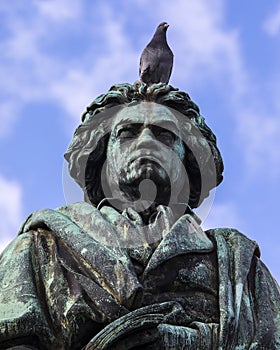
(191, 280)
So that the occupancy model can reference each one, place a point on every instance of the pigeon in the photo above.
(156, 60)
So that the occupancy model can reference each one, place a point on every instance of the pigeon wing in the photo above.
(165, 66)
(148, 65)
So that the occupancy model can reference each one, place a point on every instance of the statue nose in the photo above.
(146, 137)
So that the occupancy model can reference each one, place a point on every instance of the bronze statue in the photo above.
(130, 267)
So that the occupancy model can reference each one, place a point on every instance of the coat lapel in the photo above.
(185, 237)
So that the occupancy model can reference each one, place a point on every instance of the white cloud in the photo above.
(32, 73)
(260, 136)
(83, 82)
(272, 23)
(59, 10)
(25, 70)
(10, 210)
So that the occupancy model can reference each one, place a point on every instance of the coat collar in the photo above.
(185, 237)
(161, 240)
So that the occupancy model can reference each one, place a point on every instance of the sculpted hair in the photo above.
(87, 151)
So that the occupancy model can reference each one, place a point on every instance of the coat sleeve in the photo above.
(249, 298)
(21, 315)
(265, 294)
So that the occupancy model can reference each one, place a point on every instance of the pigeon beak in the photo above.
(166, 25)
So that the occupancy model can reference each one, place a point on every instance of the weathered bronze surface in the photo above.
(130, 267)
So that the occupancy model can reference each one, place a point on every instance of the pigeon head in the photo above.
(160, 34)
(163, 26)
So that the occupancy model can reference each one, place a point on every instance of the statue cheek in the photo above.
(179, 149)
(119, 161)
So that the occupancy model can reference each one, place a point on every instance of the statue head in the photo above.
(144, 142)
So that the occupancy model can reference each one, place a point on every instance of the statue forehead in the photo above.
(146, 113)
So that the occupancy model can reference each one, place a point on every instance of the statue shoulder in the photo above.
(49, 219)
(75, 213)
(233, 239)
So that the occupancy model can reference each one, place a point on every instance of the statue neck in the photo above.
(146, 210)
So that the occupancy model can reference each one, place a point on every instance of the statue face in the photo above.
(145, 144)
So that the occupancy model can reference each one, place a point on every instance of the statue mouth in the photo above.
(145, 159)
(145, 167)
(148, 169)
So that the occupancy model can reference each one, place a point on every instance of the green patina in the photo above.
(130, 267)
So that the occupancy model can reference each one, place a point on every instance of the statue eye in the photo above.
(163, 135)
(126, 133)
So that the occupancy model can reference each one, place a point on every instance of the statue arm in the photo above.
(157, 326)
(22, 318)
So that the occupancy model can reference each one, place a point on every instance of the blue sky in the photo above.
(58, 55)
